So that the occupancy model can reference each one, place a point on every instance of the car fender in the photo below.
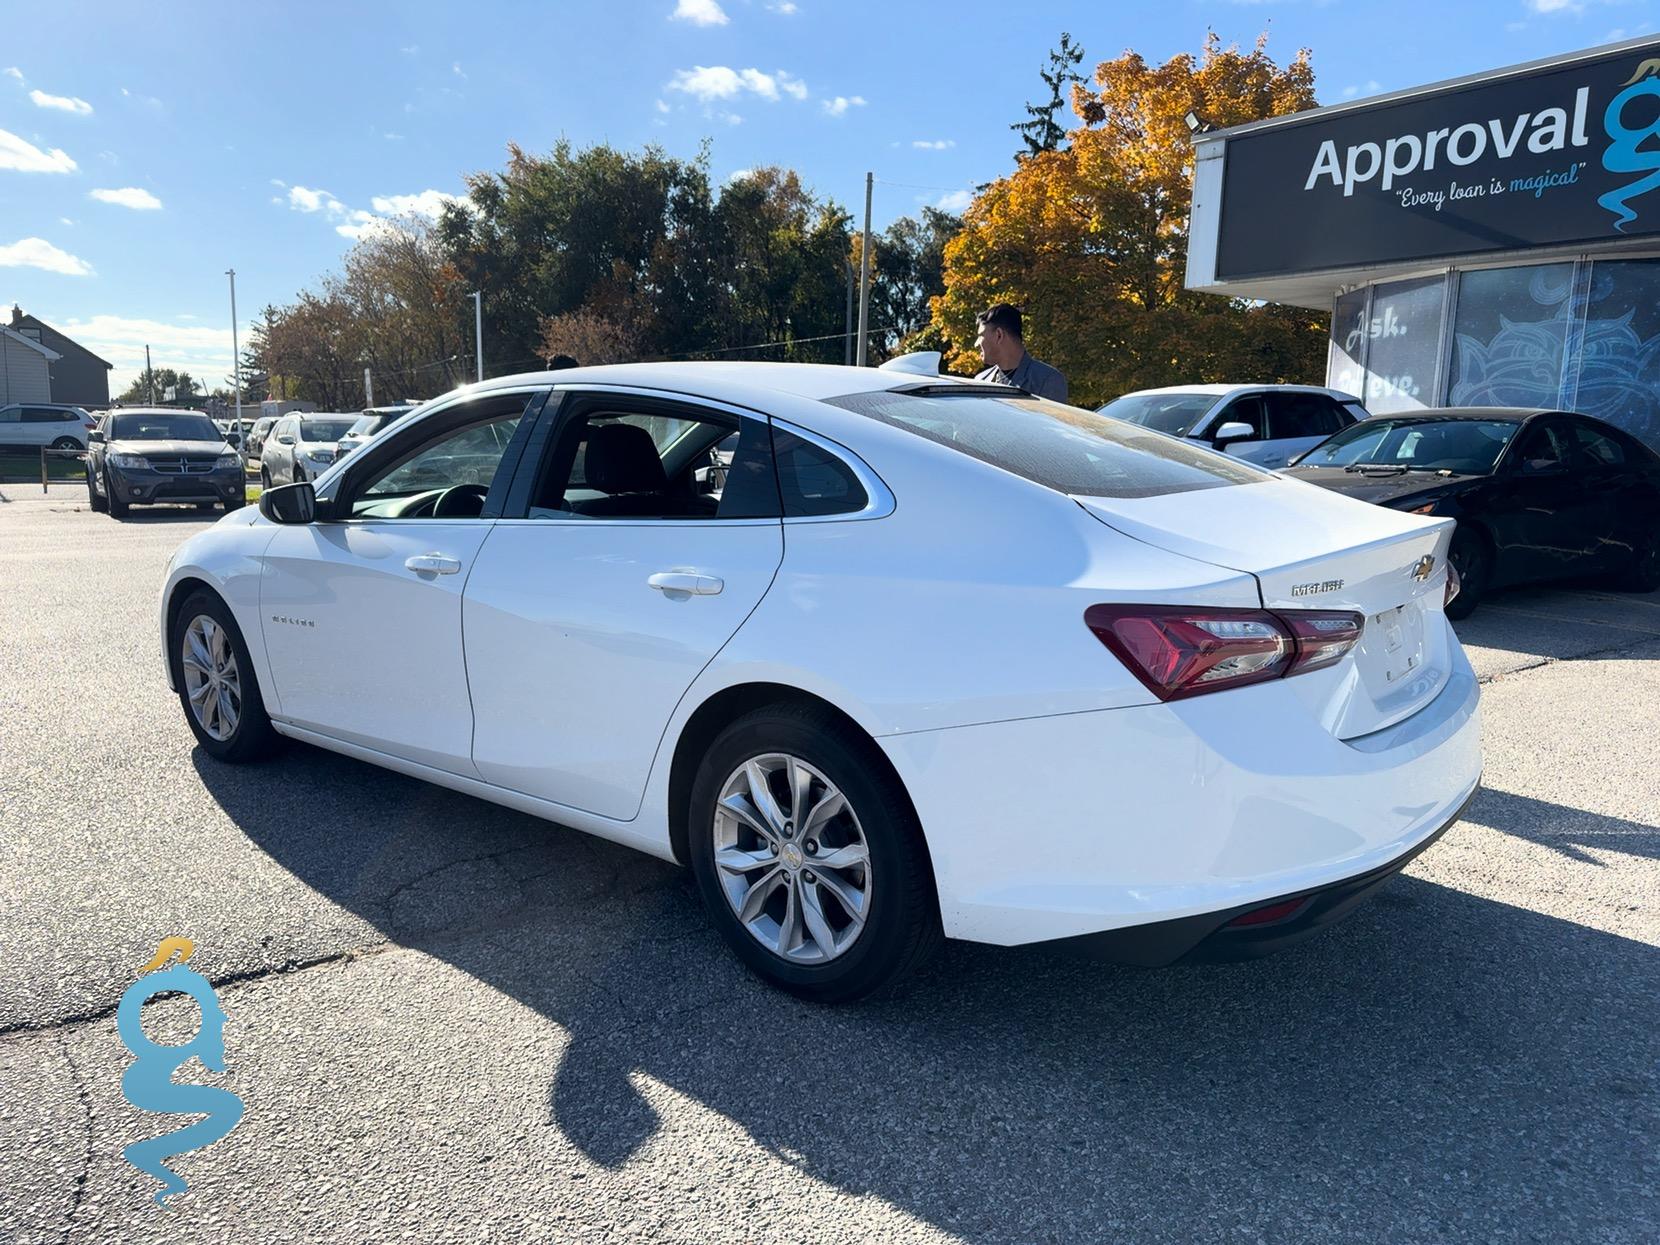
(229, 559)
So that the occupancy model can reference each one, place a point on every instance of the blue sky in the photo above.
(142, 154)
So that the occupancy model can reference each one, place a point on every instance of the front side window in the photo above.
(1060, 447)
(448, 477)
(1242, 411)
(1461, 446)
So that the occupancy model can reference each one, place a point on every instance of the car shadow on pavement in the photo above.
(1439, 1065)
(1570, 831)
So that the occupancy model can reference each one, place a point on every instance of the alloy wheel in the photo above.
(792, 859)
(212, 681)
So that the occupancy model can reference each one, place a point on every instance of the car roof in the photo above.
(813, 381)
(1515, 414)
(1223, 390)
(154, 410)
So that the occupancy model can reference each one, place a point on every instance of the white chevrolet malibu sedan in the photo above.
(907, 657)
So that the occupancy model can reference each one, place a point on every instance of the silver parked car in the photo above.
(1264, 424)
(300, 447)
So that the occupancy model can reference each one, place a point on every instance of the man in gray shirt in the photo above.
(1004, 352)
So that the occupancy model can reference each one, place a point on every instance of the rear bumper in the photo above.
(1046, 829)
(1212, 937)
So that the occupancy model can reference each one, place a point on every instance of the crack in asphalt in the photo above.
(1556, 661)
(81, 1178)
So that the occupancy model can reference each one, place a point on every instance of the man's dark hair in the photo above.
(559, 362)
(1005, 316)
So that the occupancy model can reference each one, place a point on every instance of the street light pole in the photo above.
(149, 375)
(847, 355)
(864, 275)
(236, 352)
(478, 330)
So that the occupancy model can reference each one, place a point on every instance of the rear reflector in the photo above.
(1180, 650)
(1273, 912)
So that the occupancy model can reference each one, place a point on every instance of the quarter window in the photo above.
(812, 481)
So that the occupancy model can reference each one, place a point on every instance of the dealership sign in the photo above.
(1564, 154)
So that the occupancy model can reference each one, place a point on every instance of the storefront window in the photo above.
(1510, 335)
(1619, 364)
(1345, 364)
(1404, 346)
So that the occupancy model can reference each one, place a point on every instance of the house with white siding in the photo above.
(25, 368)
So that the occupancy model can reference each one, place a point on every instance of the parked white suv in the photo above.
(1264, 424)
(300, 447)
(30, 425)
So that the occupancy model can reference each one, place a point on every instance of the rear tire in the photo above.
(1643, 575)
(117, 507)
(830, 954)
(235, 727)
(1472, 556)
(67, 443)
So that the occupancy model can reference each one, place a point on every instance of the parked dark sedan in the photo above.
(1538, 495)
(137, 457)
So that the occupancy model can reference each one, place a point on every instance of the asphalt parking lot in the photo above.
(451, 1022)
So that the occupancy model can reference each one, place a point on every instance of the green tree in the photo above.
(910, 275)
(1041, 131)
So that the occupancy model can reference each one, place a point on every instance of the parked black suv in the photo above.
(145, 455)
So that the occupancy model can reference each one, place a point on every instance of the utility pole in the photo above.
(848, 339)
(864, 276)
(149, 375)
(368, 387)
(236, 352)
(478, 330)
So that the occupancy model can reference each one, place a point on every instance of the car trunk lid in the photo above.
(1310, 549)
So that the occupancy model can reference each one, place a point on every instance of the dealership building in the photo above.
(1489, 241)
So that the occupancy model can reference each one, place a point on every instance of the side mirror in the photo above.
(95, 437)
(285, 439)
(1234, 430)
(289, 503)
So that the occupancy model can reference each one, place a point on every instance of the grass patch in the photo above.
(20, 467)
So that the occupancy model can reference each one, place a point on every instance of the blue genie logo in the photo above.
(1626, 151)
(148, 1083)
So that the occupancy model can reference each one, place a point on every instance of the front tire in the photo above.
(809, 858)
(1472, 556)
(218, 688)
(1643, 575)
(94, 503)
(117, 507)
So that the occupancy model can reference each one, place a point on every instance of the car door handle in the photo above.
(687, 582)
(433, 564)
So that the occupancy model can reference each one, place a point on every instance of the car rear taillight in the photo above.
(1179, 650)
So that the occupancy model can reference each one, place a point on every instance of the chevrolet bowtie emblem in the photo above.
(1421, 570)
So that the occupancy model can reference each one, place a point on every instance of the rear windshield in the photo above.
(1462, 446)
(1174, 413)
(1061, 447)
(164, 427)
(324, 429)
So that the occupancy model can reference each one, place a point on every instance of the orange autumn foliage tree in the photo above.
(1091, 240)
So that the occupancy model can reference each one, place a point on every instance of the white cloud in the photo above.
(129, 197)
(840, 104)
(410, 49)
(955, 201)
(662, 106)
(12, 71)
(1556, 6)
(1372, 87)
(699, 13)
(203, 352)
(455, 68)
(39, 253)
(25, 157)
(712, 82)
(305, 199)
(63, 103)
(936, 144)
(149, 101)
(785, 7)
(428, 203)
(64, 220)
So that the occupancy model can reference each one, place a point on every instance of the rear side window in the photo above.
(1601, 450)
(1302, 415)
(812, 481)
(1060, 447)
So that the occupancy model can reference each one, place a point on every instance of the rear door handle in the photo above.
(433, 564)
(687, 582)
